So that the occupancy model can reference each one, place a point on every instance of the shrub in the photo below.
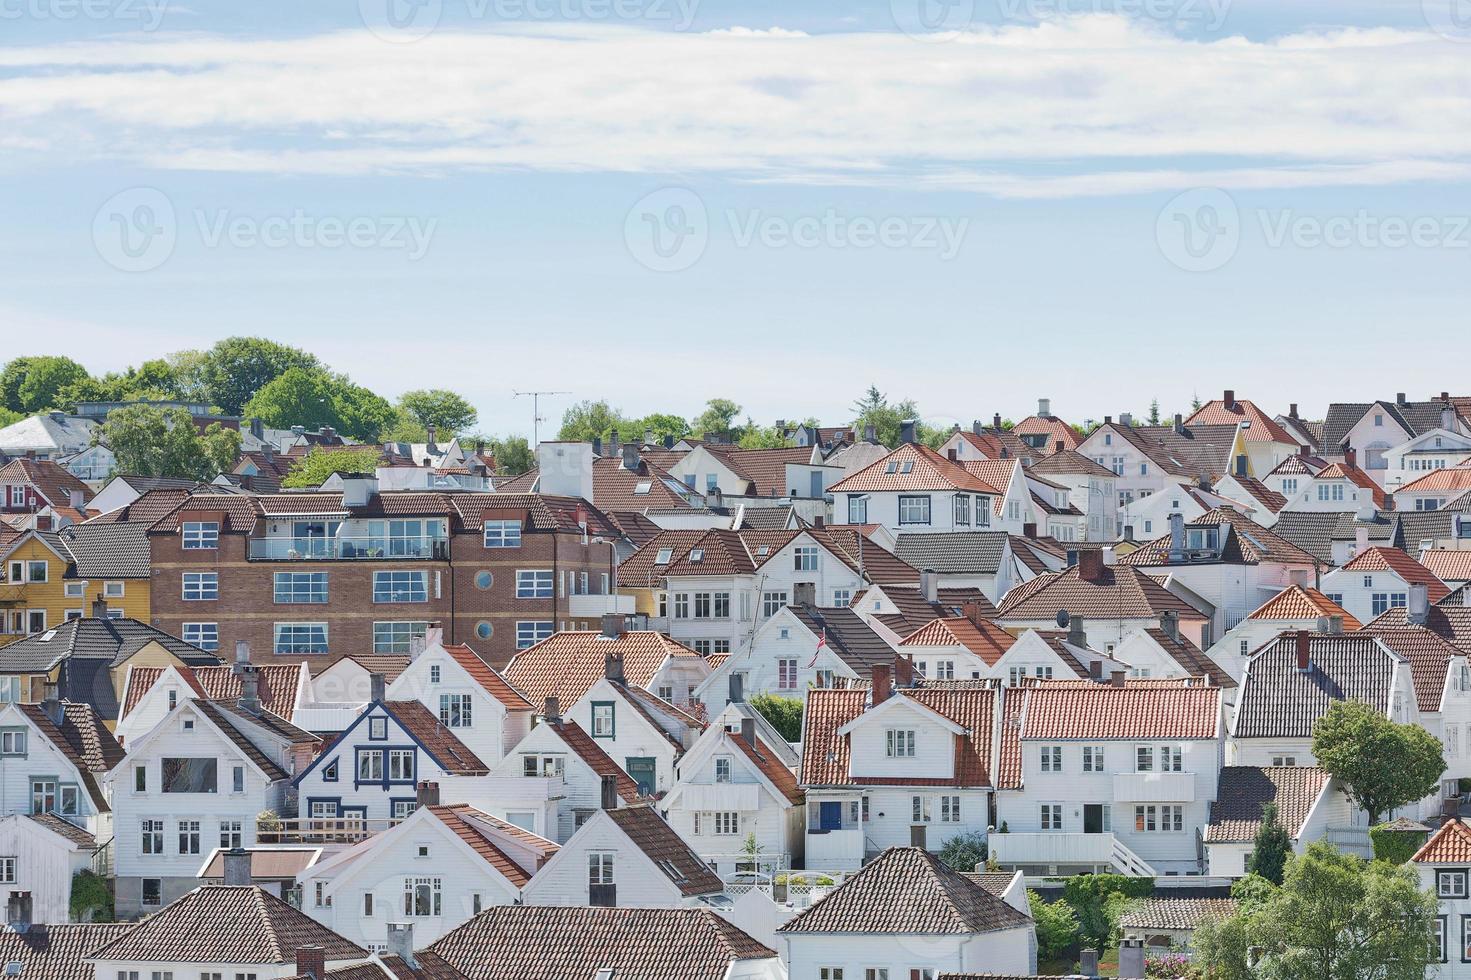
(1395, 846)
(91, 898)
(964, 852)
(785, 714)
(1057, 925)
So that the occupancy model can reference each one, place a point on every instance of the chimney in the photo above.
(258, 429)
(609, 798)
(236, 862)
(1057, 446)
(401, 943)
(1116, 678)
(78, 500)
(597, 446)
(613, 446)
(804, 593)
(1088, 962)
(1095, 670)
(1179, 426)
(882, 684)
(242, 656)
(748, 731)
(1090, 565)
(737, 695)
(1304, 655)
(1029, 529)
(1298, 577)
(917, 836)
(427, 793)
(1044, 407)
(51, 703)
(1292, 410)
(249, 700)
(972, 612)
(1229, 397)
(996, 422)
(869, 433)
(906, 431)
(1447, 418)
(551, 710)
(613, 667)
(1108, 420)
(1076, 635)
(1321, 624)
(1418, 611)
(1131, 959)
(377, 688)
(1399, 398)
(630, 457)
(1126, 419)
(434, 635)
(99, 608)
(1335, 625)
(951, 455)
(1351, 458)
(612, 625)
(929, 585)
(1361, 540)
(668, 442)
(1128, 532)
(429, 443)
(903, 672)
(1169, 623)
(311, 962)
(1177, 538)
(417, 645)
(43, 521)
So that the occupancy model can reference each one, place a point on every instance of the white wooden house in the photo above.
(1443, 866)
(53, 756)
(40, 854)
(643, 734)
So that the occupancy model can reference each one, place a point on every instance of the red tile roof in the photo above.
(928, 470)
(1379, 559)
(1451, 844)
(669, 852)
(1303, 602)
(1448, 565)
(1356, 476)
(494, 684)
(826, 754)
(1054, 428)
(469, 825)
(452, 755)
(565, 665)
(1264, 428)
(51, 480)
(1452, 478)
(579, 742)
(1107, 712)
(781, 777)
(1121, 592)
(1236, 815)
(985, 639)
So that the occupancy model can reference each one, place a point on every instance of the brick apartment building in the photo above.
(317, 575)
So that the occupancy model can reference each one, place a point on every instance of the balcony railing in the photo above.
(1154, 787)
(348, 548)
(319, 830)
(1067, 850)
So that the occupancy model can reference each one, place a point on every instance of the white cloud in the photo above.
(1085, 105)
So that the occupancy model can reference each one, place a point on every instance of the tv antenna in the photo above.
(536, 416)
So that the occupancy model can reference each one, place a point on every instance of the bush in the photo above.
(91, 898)
(1169, 966)
(1395, 846)
(1100, 900)
(1080, 888)
(785, 714)
(1057, 926)
(964, 852)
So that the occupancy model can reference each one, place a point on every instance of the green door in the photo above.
(641, 768)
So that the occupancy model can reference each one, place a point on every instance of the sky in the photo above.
(970, 203)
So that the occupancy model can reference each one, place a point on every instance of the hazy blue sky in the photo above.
(972, 204)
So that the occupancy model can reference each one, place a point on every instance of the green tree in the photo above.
(513, 455)
(785, 714)
(1154, 412)
(1057, 926)
(1100, 901)
(152, 380)
(188, 369)
(660, 425)
(316, 466)
(32, 384)
(91, 899)
(8, 417)
(717, 418)
(405, 428)
(236, 368)
(754, 436)
(1352, 741)
(315, 398)
(964, 852)
(445, 410)
(1272, 848)
(588, 420)
(151, 441)
(1336, 917)
(888, 419)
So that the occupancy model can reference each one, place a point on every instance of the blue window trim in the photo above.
(331, 770)
(346, 741)
(385, 782)
(336, 802)
(378, 738)
(393, 800)
(344, 812)
(612, 718)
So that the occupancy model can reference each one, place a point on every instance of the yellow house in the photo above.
(35, 594)
(53, 576)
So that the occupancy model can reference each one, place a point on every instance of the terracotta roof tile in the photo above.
(1429, 655)
(1356, 476)
(1392, 559)
(1456, 478)
(984, 639)
(58, 952)
(928, 470)
(1249, 542)
(1191, 658)
(566, 664)
(826, 754)
(579, 742)
(452, 755)
(51, 480)
(470, 825)
(1159, 914)
(1054, 428)
(1264, 428)
(494, 684)
(1303, 602)
(1448, 565)
(781, 777)
(1451, 844)
(1121, 592)
(1108, 712)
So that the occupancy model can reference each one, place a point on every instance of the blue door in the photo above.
(641, 768)
(830, 816)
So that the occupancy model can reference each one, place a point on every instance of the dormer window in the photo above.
(899, 743)
(907, 466)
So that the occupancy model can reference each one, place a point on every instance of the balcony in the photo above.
(348, 548)
(593, 606)
(837, 850)
(321, 830)
(1058, 850)
(1154, 787)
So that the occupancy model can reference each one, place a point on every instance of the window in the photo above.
(206, 636)
(401, 765)
(1171, 758)
(152, 836)
(1144, 759)
(786, 673)
(1450, 884)
(1438, 949)
(300, 588)
(899, 743)
(112, 590)
(962, 510)
(830, 972)
(370, 765)
(1051, 816)
(401, 586)
(7, 870)
(1151, 818)
(397, 637)
(188, 836)
(1052, 758)
(152, 892)
(602, 719)
(696, 555)
(1284, 760)
(842, 598)
(722, 768)
(600, 867)
(772, 603)
(231, 834)
(914, 510)
(201, 586)
(920, 809)
(140, 779)
(702, 605)
(322, 899)
(201, 535)
(13, 742)
(237, 779)
(322, 809)
(543, 765)
(530, 632)
(402, 810)
(301, 638)
(857, 509)
(804, 558)
(454, 710)
(950, 809)
(534, 584)
(721, 823)
(367, 905)
(503, 534)
(183, 775)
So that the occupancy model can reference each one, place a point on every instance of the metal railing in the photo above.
(101, 859)
(348, 548)
(319, 830)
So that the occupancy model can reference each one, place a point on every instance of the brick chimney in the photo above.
(1229, 397)
(903, 671)
(552, 710)
(1090, 565)
(882, 684)
(311, 961)
(1351, 458)
(427, 793)
(1304, 654)
(236, 865)
(613, 666)
(1029, 529)
(972, 612)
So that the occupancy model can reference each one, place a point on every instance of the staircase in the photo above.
(1129, 863)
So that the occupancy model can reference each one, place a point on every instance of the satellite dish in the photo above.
(1062, 619)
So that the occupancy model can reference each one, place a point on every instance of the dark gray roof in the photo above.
(953, 552)
(58, 952)
(764, 518)
(108, 551)
(1417, 417)
(110, 641)
(848, 636)
(1315, 531)
(143, 484)
(1236, 814)
(1279, 701)
(1198, 451)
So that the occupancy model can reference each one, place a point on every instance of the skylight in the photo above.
(643, 487)
(697, 554)
(664, 555)
(891, 467)
(763, 551)
(907, 466)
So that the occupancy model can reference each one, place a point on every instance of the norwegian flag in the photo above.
(821, 642)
